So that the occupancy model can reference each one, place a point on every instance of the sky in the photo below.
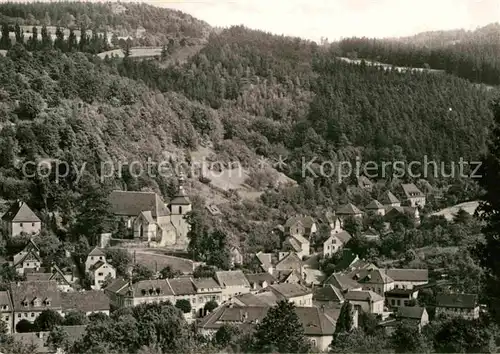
(333, 19)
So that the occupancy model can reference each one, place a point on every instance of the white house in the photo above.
(98, 268)
(21, 219)
(335, 242)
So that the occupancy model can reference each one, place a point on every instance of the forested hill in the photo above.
(246, 94)
(474, 55)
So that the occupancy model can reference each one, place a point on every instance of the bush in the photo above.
(183, 305)
(25, 326)
(211, 305)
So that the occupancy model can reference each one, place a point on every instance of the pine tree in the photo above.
(83, 39)
(46, 39)
(59, 41)
(19, 34)
(281, 331)
(33, 41)
(345, 320)
(164, 53)
(5, 42)
(490, 206)
(72, 42)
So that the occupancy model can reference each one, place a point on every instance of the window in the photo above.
(27, 264)
(91, 258)
(32, 314)
(21, 224)
(100, 258)
(33, 224)
(100, 274)
(6, 318)
(4, 307)
(18, 315)
(399, 302)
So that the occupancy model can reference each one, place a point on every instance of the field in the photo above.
(156, 261)
(450, 212)
(388, 66)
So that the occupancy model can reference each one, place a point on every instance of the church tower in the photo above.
(179, 207)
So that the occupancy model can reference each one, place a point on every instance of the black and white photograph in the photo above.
(249, 176)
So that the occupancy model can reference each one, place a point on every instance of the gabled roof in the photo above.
(389, 198)
(306, 221)
(343, 236)
(415, 275)
(410, 312)
(205, 283)
(96, 252)
(374, 205)
(328, 293)
(251, 300)
(86, 301)
(348, 209)
(182, 286)
(293, 243)
(181, 197)
(5, 300)
(147, 216)
(126, 203)
(290, 261)
(411, 191)
(457, 300)
(265, 259)
(314, 321)
(142, 288)
(97, 265)
(116, 285)
(35, 276)
(232, 278)
(24, 256)
(259, 279)
(20, 212)
(363, 295)
(370, 276)
(342, 282)
(29, 290)
(300, 239)
(289, 290)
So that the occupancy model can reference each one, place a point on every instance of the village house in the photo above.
(365, 183)
(414, 196)
(7, 310)
(318, 327)
(373, 280)
(207, 290)
(20, 219)
(99, 268)
(288, 261)
(393, 213)
(328, 296)
(300, 225)
(389, 200)
(88, 302)
(369, 301)
(264, 261)
(259, 281)
(184, 289)
(148, 218)
(30, 298)
(236, 256)
(335, 242)
(333, 221)
(298, 244)
(65, 281)
(408, 278)
(370, 234)
(123, 293)
(296, 293)
(28, 259)
(262, 299)
(233, 283)
(375, 208)
(397, 298)
(342, 282)
(348, 210)
(463, 305)
(415, 315)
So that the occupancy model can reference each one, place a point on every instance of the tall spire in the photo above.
(182, 180)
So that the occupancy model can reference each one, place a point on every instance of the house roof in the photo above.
(96, 252)
(268, 297)
(348, 209)
(251, 300)
(86, 301)
(315, 322)
(289, 290)
(389, 198)
(343, 236)
(126, 203)
(411, 191)
(97, 265)
(260, 278)
(456, 300)
(415, 275)
(293, 243)
(374, 205)
(370, 276)
(342, 282)
(143, 288)
(265, 259)
(29, 255)
(290, 261)
(182, 286)
(347, 259)
(411, 312)
(5, 300)
(399, 209)
(300, 239)
(306, 221)
(363, 181)
(148, 216)
(20, 212)
(38, 276)
(328, 293)
(29, 290)
(330, 217)
(205, 283)
(117, 285)
(232, 278)
(363, 295)
(181, 197)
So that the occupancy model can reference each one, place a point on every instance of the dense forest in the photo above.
(470, 55)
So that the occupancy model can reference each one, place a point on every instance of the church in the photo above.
(148, 218)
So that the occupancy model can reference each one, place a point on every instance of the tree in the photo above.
(211, 305)
(19, 34)
(25, 326)
(408, 339)
(120, 259)
(46, 39)
(169, 273)
(226, 335)
(5, 42)
(345, 321)
(33, 40)
(203, 271)
(59, 42)
(72, 41)
(141, 272)
(359, 342)
(459, 335)
(490, 207)
(30, 104)
(75, 318)
(281, 331)
(58, 339)
(164, 53)
(184, 305)
(47, 320)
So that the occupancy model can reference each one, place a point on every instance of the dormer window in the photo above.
(151, 291)
(25, 303)
(36, 302)
(143, 292)
(47, 302)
